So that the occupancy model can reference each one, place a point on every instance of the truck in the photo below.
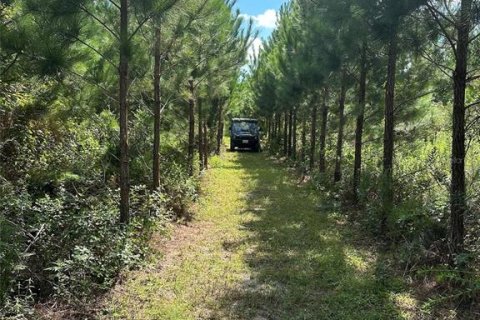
(245, 133)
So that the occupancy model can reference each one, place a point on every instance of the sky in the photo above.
(264, 15)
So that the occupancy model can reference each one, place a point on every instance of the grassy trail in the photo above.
(261, 247)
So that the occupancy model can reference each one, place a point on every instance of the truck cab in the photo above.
(245, 134)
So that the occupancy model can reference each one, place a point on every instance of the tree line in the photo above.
(108, 112)
(379, 99)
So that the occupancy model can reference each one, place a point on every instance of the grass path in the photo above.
(261, 247)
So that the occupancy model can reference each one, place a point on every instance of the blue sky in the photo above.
(263, 13)
(255, 7)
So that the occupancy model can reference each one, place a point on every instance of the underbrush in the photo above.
(70, 247)
(415, 244)
(60, 237)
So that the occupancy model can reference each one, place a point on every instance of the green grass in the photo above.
(262, 247)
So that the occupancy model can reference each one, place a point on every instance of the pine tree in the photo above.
(454, 23)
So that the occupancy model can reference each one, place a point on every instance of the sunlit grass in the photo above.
(260, 248)
(210, 261)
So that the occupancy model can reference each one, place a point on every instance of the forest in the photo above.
(383, 97)
(117, 191)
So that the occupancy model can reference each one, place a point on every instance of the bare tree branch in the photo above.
(140, 25)
(105, 90)
(10, 65)
(101, 22)
(473, 104)
(114, 4)
(440, 13)
(421, 95)
(449, 38)
(440, 66)
(473, 38)
(95, 50)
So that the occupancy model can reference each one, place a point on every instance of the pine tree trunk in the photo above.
(272, 123)
(124, 149)
(388, 137)
(341, 116)
(200, 134)
(290, 133)
(276, 131)
(277, 126)
(458, 204)
(323, 133)
(313, 133)
(191, 129)
(220, 128)
(357, 167)
(205, 145)
(274, 140)
(157, 110)
(304, 140)
(269, 129)
(294, 135)
(285, 134)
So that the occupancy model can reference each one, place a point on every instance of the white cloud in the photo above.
(268, 19)
(255, 48)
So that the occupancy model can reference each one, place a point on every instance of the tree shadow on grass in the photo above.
(302, 266)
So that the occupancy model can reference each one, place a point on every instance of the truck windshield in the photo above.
(244, 127)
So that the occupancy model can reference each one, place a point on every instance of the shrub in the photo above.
(59, 230)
